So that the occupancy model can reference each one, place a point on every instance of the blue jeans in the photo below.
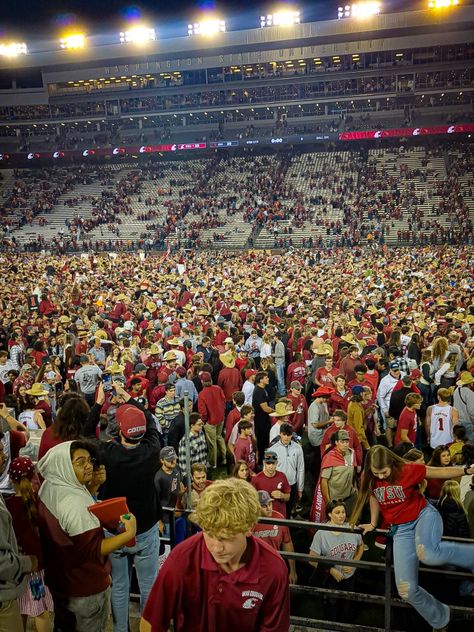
(144, 556)
(427, 529)
(280, 375)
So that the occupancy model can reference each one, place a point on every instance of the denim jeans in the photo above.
(144, 556)
(280, 375)
(427, 529)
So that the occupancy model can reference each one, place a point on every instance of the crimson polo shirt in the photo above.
(198, 596)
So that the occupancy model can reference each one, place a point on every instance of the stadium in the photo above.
(238, 245)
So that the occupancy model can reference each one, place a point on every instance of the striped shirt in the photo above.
(166, 410)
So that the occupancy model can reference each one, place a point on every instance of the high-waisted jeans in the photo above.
(427, 530)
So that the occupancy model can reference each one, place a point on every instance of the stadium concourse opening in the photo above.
(237, 324)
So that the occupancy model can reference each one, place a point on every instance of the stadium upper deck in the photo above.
(390, 70)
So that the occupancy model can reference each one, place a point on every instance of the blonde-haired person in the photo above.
(452, 511)
(223, 577)
(392, 488)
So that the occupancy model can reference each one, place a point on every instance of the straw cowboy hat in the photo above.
(281, 410)
(228, 359)
(324, 349)
(465, 378)
(37, 390)
(115, 368)
(155, 349)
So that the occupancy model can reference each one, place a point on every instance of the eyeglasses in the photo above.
(83, 461)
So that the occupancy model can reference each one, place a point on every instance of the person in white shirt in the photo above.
(384, 392)
(249, 385)
(290, 463)
(440, 420)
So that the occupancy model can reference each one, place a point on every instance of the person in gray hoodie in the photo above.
(13, 567)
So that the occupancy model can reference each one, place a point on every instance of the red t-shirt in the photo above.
(401, 501)
(48, 441)
(244, 451)
(270, 484)
(273, 534)
(206, 599)
(406, 421)
(322, 375)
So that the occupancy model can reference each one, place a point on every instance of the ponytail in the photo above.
(29, 500)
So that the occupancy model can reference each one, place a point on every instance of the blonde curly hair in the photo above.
(226, 508)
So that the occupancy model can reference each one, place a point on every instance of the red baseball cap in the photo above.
(131, 421)
(249, 373)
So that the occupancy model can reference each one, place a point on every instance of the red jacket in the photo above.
(230, 381)
(211, 405)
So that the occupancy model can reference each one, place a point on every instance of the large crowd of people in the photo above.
(349, 197)
(337, 386)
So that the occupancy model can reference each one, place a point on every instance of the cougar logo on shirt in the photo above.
(254, 598)
(390, 495)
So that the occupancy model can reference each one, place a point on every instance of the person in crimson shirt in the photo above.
(360, 380)
(273, 482)
(296, 371)
(299, 418)
(339, 422)
(408, 420)
(276, 535)
(326, 375)
(223, 577)
(211, 407)
(349, 362)
(229, 379)
(244, 447)
(392, 486)
(339, 399)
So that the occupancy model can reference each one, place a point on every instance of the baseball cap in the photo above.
(342, 435)
(168, 454)
(140, 367)
(270, 457)
(264, 497)
(205, 376)
(131, 421)
(295, 384)
(249, 373)
(415, 374)
(394, 365)
(357, 390)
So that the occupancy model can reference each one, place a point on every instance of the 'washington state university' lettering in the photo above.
(389, 495)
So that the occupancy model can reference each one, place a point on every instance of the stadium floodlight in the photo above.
(73, 41)
(138, 35)
(280, 18)
(207, 27)
(442, 4)
(359, 10)
(13, 49)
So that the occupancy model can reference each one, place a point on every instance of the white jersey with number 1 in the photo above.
(441, 425)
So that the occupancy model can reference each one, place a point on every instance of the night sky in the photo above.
(38, 17)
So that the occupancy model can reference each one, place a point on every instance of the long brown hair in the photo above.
(378, 457)
(29, 500)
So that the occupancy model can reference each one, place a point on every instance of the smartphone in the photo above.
(107, 382)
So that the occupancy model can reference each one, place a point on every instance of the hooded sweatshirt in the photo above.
(71, 535)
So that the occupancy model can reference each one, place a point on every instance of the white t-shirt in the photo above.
(441, 425)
